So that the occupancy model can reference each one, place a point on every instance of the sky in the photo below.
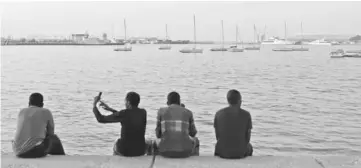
(27, 19)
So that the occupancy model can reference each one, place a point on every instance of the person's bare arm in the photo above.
(107, 107)
(215, 126)
(248, 133)
(113, 118)
(158, 129)
(50, 127)
(192, 126)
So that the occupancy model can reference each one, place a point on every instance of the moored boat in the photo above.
(166, 47)
(282, 49)
(127, 46)
(191, 50)
(222, 47)
(337, 54)
(194, 49)
(235, 47)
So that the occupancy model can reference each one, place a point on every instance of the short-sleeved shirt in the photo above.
(175, 125)
(32, 126)
(133, 122)
(232, 125)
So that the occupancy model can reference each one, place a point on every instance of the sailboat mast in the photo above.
(222, 36)
(194, 24)
(166, 32)
(125, 31)
(236, 35)
(301, 35)
(285, 32)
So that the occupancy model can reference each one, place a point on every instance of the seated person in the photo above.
(176, 130)
(133, 122)
(233, 127)
(34, 135)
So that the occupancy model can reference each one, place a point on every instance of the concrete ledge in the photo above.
(88, 161)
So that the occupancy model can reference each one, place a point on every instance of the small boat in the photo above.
(253, 48)
(222, 47)
(337, 54)
(166, 47)
(320, 42)
(127, 46)
(218, 49)
(302, 48)
(191, 50)
(353, 53)
(235, 47)
(194, 49)
(282, 49)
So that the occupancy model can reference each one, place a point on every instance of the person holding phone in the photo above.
(133, 122)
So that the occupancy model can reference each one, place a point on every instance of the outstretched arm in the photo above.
(115, 117)
(107, 107)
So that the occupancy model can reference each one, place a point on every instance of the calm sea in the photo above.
(301, 102)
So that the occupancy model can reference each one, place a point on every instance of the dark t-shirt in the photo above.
(232, 125)
(133, 122)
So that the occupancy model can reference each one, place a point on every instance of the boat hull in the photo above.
(165, 48)
(252, 48)
(191, 50)
(282, 49)
(123, 49)
(300, 49)
(236, 50)
(219, 49)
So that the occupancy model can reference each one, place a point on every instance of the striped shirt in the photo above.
(33, 125)
(175, 125)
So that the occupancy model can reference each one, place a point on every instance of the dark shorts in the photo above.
(51, 145)
(118, 149)
(249, 152)
(179, 154)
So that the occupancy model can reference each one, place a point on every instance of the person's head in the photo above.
(173, 98)
(132, 99)
(234, 97)
(36, 99)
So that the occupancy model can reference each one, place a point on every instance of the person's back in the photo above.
(132, 132)
(232, 126)
(31, 128)
(176, 129)
(34, 135)
(175, 124)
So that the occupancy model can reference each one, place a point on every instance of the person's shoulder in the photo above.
(246, 112)
(220, 111)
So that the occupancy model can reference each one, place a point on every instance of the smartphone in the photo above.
(100, 94)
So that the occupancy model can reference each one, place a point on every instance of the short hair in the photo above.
(133, 98)
(233, 97)
(173, 98)
(36, 99)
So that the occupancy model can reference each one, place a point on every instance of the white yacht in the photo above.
(320, 42)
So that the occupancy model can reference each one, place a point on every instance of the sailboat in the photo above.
(302, 48)
(166, 47)
(235, 48)
(222, 48)
(254, 40)
(127, 46)
(194, 49)
(284, 48)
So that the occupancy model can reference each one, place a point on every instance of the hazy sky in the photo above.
(149, 18)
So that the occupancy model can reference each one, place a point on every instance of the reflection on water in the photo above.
(301, 102)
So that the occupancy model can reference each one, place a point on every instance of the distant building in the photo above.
(105, 37)
(79, 37)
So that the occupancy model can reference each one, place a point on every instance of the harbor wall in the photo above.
(91, 161)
